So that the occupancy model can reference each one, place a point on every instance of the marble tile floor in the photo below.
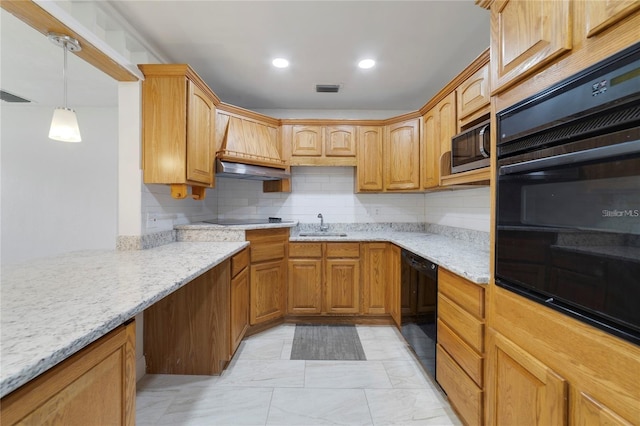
(261, 386)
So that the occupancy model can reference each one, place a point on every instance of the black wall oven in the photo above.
(568, 196)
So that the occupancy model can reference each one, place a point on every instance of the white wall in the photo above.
(330, 191)
(461, 208)
(57, 197)
(160, 212)
(326, 190)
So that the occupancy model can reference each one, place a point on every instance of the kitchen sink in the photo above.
(322, 234)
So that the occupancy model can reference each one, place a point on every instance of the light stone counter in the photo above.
(464, 258)
(53, 307)
(464, 252)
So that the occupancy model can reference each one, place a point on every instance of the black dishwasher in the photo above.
(419, 294)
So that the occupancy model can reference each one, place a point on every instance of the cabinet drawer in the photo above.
(268, 251)
(467, 358)
(239, 262)
(463, 394)
(305, 250)
(461, 322)
(466, 294)
(343, 250)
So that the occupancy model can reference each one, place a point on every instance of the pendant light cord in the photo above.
(64, 72)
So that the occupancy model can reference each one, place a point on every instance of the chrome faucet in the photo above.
(323, 227)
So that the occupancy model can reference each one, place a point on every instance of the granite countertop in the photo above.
(53, 307)
(458, 256)
(455, 251)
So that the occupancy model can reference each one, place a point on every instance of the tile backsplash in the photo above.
(326, 190)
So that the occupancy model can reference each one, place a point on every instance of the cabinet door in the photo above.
(340, 141)
(375, 278)
(439, 127)
(602, 14)
(267, 291)
(97, 385)
(305, 286)
(473, 93)
(394, 284)
(431, 160)
(402, 156)
(342, 280)
(526, 36)
(200, 136)
(239, 308)
(370, 160)
(521, 389)
(306, 141)
(586, 410)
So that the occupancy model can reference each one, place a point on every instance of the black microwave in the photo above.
(470, 149)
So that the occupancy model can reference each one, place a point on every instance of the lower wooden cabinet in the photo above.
(375, 278)
(95, 386)
(523, 389)
(239, 298)
(324, 278)
(268, 274)
(461, 346)
(188, 331)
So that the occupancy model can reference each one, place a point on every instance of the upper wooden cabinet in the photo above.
(340, 141)
(600, 15)
(321, 145)
(178, 129)
(370, 162)
(527, 35)
(306, 141)
(473, 94)
(402, 156)
(440, 126)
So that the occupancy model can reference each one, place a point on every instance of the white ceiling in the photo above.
(419, 46)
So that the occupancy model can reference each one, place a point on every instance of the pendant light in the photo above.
(64, 125)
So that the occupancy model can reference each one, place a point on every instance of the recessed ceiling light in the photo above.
(280, 63)
(366, 63)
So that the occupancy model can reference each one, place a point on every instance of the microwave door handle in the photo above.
(483, 135)
(600, 153)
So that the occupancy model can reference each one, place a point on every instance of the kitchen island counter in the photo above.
(53, 307)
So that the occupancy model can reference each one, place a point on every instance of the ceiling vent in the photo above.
(9, 97)
(327, 88)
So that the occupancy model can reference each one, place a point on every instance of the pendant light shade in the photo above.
(64, 125)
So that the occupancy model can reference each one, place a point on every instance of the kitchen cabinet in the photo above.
(188, 331)
(526, 36)
(440, 126)
(305, 278)
(402, 156)
(342, 278)
(473, 96)
(394, 286)
(178, 130)
(375, 278)
(369, 172)
(460, 348)
(239, 316)
(324, 278)
(268, 274)
(529, 37)
(321, 145)
(97, 384)
(524, 390)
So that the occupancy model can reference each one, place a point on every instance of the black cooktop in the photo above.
(247, 221)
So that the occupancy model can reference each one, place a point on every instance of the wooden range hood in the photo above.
(249, 148)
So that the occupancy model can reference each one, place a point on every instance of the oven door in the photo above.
(568, 233)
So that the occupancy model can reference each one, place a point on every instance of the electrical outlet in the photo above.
(152, 221)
